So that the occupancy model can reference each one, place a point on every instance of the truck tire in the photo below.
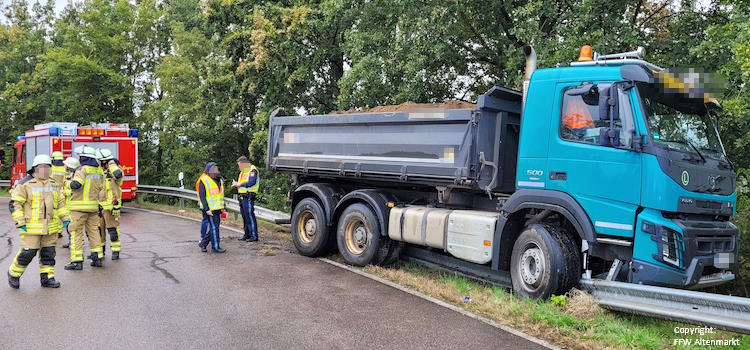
(538, 265)
(358, 236)
(309, 229)
(572, 261)
(394, 253)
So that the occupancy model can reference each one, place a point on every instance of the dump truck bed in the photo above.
(433, 147)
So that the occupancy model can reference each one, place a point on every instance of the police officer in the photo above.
(110, 222)
(87, 190)
(38, 203)
(247, 187)
(210, 189)
(71, 165)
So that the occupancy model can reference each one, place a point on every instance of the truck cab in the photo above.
(638, 150)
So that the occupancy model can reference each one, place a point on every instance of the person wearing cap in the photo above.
(38, 203)
(86, 191)
(71, 165)
(210, 189)
(247, 187)
(110, 222)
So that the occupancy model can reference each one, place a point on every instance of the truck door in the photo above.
(601, 173)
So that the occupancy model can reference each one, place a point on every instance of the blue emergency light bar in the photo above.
(133, 132)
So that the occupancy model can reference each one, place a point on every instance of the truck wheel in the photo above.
(572, 255)
(358, 235)
(309, 229)
(394, 253)
(538, 262)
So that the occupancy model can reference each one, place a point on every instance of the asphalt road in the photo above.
(164, 293)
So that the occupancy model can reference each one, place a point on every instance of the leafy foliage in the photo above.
(200, 78)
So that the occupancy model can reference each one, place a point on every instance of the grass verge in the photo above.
(571, 321)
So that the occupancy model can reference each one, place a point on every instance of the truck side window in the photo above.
(580, 120)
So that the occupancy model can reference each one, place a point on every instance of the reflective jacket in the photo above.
(214, 194)
(40, 206)
(114, 192)
(92, 190)
(247, 183)
(57, 173)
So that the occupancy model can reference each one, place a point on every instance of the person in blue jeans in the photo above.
(210, 189)
(247, 187)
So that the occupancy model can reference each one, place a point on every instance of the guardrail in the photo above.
(230, 203)
(4, 183)
(715, 310)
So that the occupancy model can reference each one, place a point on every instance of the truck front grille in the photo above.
(711, 244)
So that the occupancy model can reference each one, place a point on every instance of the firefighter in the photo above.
(57, 173)
(71, 164)
(110, 222)
(210, 189)
(247, 187)
(38, 203)
(86, 191)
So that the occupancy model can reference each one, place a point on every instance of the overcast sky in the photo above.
(59, 5)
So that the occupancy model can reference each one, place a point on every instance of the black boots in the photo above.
(74, 266)
(49, 282)
(115, 255)
(14, 282)
(95, 261)
(219, 250)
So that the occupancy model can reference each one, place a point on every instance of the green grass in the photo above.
(563, 320)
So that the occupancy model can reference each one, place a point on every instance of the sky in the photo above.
(59, 4)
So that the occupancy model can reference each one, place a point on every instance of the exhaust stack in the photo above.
(530, 54)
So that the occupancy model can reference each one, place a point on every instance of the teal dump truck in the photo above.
(609, 168)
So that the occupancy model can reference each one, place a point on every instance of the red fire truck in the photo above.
(69, 138)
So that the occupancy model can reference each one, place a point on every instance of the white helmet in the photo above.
(88, 152)
(105, 154)
(72, 163)
(41, 159)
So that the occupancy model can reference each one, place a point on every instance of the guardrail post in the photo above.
(234, 196)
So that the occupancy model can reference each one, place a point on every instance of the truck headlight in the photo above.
(669, 243)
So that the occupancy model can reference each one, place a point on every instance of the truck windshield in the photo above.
(680, 124)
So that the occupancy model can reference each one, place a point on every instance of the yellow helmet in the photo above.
(57, 155)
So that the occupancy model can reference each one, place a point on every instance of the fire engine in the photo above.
(69, 138)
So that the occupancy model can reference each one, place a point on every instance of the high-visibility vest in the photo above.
(214, 193)
(86, 198)
(39, 205)
(244, 176)
(57, 173)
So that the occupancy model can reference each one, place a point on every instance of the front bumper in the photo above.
(709, 255)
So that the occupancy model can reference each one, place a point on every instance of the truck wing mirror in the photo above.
(609, 137)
